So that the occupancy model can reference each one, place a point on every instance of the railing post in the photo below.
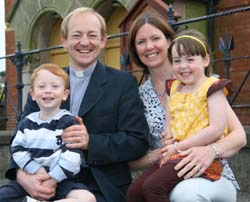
(124, 60)
(170, 14)
(19, 61)
(226, 46)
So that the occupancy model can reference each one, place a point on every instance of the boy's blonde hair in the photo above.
(52, 68)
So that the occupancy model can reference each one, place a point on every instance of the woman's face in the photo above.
(152, 46)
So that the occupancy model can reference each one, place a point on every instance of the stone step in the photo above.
(240, 164)
(243, 197)
(3, 181)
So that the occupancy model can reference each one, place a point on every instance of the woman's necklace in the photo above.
(160, 94)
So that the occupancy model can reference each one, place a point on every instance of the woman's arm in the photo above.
(235, 140)
(198, 159)
(152, 156)
(146, 161)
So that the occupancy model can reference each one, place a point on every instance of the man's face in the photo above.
(84, 41)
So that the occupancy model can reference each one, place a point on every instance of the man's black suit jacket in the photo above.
(114, 117)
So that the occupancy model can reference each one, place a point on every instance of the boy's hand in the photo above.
(50, 183)
(33, 185)
(41, 171)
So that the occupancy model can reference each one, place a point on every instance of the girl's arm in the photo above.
(217, 110)
(200, 158)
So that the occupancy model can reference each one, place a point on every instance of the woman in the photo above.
(149, 39)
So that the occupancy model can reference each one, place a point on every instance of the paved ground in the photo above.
(242, 196)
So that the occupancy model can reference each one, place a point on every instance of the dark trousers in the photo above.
(155, 184)
(13, 192)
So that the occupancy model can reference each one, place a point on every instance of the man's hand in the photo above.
(197, 160)
(33, 185)
(77, 136)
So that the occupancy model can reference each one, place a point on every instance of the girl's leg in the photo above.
(135, 193)
(78, 195)
(157, 187)
(203, 190)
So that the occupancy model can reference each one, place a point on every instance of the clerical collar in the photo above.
(82, 73)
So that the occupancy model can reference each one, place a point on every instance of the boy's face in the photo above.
(49, 91)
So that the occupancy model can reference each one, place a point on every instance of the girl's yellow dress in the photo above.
(189, 114)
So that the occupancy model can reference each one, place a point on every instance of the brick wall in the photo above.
(8, 5)
(11, 76)
(238, 26)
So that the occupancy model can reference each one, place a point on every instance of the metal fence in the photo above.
(19, 58)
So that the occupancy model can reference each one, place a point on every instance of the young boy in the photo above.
(38, 146)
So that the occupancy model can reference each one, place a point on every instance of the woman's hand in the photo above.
(167, 139)
(154, 156)
(195, 162)
(33, 185)
(76, 135)
(146, 161)
(166, 152)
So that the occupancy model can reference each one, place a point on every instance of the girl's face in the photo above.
(151, 46)
(189, 69)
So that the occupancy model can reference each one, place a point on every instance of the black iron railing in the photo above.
(19, 57)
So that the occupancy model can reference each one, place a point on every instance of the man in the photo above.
(112, 128)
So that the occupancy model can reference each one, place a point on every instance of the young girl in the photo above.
(38, 147)
(198, 115)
